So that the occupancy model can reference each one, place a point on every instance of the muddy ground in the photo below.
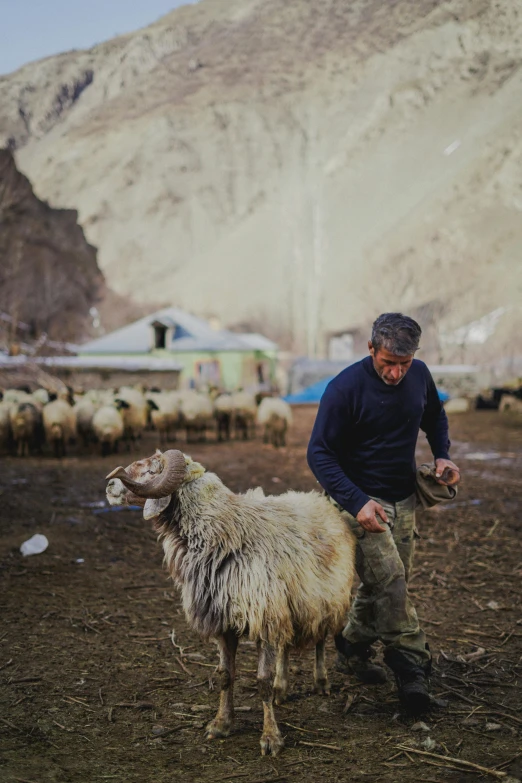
(93, 689)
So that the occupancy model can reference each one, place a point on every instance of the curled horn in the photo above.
(161, 485)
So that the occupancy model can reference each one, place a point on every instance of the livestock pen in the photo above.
(101, 679)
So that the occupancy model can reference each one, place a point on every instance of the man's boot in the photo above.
(412, 681)
(355, 659)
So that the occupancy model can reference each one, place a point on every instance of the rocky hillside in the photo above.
(49, 277)
(295, 165)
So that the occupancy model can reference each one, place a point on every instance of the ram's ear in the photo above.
(154, 507)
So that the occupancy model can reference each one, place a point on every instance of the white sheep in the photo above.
(134, 413)
(5, 426)
(26, 426)
(84, 411)
(41, 396)
(223, 413)
(98, 397)
(275, 415)
(108, 427)
(196, 414)
(276, 569)
(59, 424)
(244, 414)
(15, 396)
(510, 405)
(165, 413)
(457, 405)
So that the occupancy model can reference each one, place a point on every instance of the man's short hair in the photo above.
(397, 333)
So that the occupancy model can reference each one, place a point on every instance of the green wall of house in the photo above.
(230, 369)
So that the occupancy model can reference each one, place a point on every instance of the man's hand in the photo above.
(452, 475)
(367, 517)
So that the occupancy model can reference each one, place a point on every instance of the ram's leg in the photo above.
(271, 739)
(281, 675)
(321, 684)
(224, 720)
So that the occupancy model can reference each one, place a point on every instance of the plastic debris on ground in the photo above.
(34, 545)
(483, 456)
(474, 502)
(109, 509)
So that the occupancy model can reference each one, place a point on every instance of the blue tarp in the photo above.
(314, 393)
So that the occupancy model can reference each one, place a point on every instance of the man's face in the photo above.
(388, 366)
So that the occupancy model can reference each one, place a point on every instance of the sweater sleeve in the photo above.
(331, 429)
(434, 422)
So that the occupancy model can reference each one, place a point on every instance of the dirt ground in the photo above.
(92, 687)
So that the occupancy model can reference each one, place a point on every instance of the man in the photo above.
(362, 452)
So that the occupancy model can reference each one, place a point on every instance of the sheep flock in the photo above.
(100, 420)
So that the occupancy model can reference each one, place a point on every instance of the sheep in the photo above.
(165, 414)
(457, 405)
(59, 424)
(223, 411)
(98, 397)
(197, 414)
(278, 569)
(26, 427)
(6, 440)
(244, 417)
(108, 428)
(134, 413)
(511, 405)
(276, 415)
(16, 396)
(40, 397)
(84, 411)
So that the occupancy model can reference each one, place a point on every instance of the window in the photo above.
(160, 336)
(208, 372)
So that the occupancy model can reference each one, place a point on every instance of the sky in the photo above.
(32, 29)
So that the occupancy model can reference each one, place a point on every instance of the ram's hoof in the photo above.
(271, 744)
(322, 687)
(280, 694)
(217, 729)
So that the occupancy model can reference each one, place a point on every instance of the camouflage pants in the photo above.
(382, 609)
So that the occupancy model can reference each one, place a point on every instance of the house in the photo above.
(206, 355)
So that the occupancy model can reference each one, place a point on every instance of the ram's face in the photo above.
(142, 470)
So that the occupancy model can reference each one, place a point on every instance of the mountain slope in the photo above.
(49, 278)
(301, 166)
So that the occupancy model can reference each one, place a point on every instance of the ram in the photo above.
(278, 570)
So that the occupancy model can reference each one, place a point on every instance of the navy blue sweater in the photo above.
(364, 437)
